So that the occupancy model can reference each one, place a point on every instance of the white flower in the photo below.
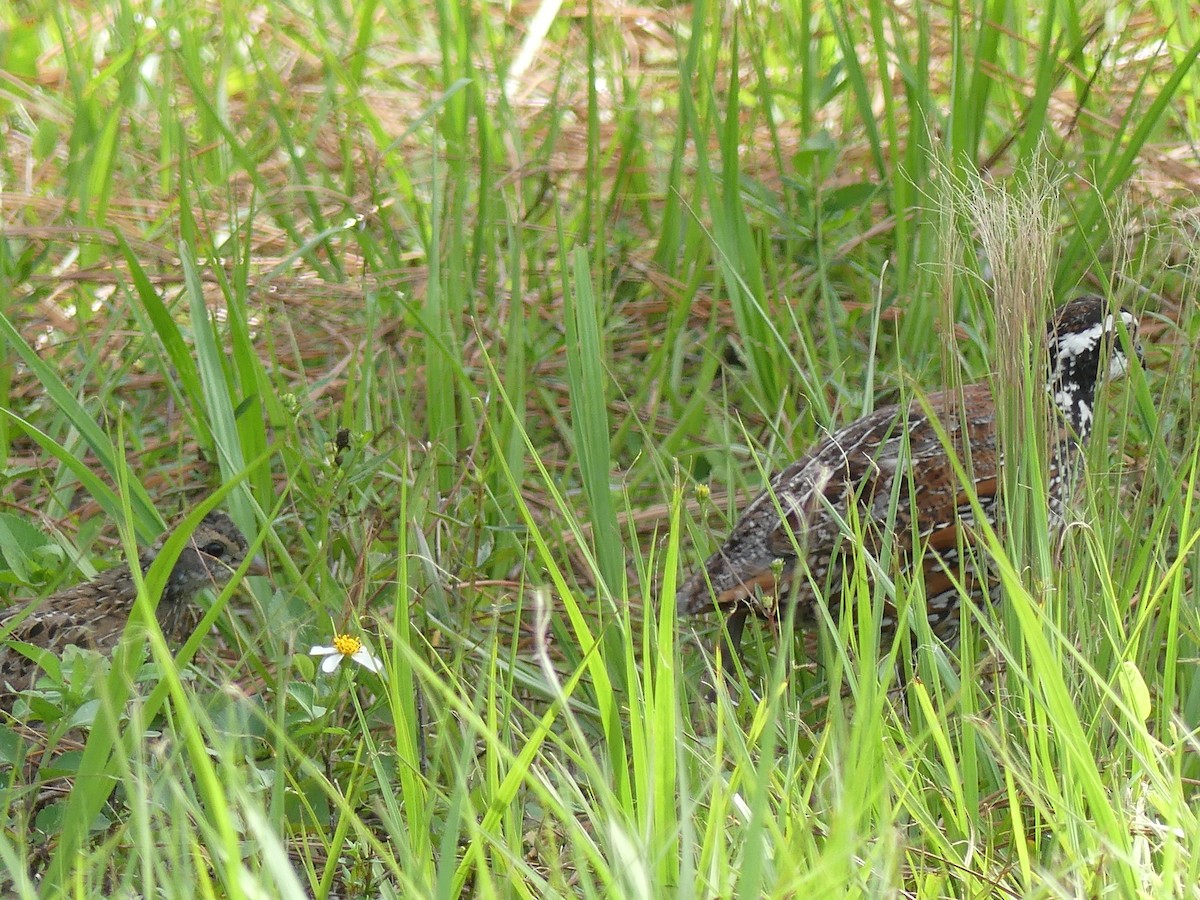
(346, 645)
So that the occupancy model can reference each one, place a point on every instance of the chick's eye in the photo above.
(214, 548)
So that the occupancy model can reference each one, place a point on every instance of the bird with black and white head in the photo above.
(791, 543)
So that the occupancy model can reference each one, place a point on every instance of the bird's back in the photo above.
(797, 528)
(91, 615)
(94, 615)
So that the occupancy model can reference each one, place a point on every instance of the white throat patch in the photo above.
(1076, 343)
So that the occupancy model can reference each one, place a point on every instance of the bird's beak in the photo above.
(258, 566)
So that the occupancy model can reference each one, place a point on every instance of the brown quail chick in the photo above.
(93, 615)
(800, 557)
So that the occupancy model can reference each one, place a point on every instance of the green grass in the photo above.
(487, 358)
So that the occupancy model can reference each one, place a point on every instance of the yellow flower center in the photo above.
(346, 644)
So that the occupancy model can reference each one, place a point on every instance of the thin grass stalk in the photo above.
(407, 709)
(587, 382)
(1017, 237)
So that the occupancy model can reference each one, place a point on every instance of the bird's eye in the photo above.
(214, 548)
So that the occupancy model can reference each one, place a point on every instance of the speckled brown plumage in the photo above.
(93, 615)
(852, 474)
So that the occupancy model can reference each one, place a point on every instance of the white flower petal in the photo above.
(368, 660)
(331, 662)
(322, 651)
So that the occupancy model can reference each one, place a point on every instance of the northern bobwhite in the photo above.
(859, 464)
(94, 614)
